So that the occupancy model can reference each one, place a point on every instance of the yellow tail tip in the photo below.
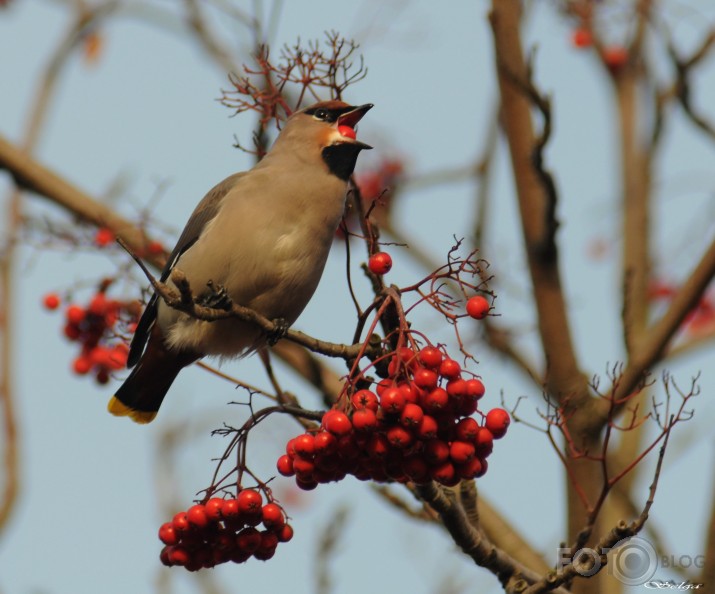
(119, 409)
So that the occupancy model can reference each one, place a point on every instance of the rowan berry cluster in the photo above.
(223, 530)
(92, 326)
(417, 426)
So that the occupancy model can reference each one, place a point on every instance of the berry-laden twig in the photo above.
(99, 328)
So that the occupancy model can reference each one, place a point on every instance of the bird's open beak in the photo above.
(351, 118)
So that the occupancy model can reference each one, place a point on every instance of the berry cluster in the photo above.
(416, 426)
(223, 530)
(91, 326)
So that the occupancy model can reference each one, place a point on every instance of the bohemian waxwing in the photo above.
(263, 236)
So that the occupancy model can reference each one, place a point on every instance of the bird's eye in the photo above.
(321, 114)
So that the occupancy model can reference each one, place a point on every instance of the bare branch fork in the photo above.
(618, 533)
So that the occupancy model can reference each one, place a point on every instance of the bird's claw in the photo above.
(216, 297)
(280, 329)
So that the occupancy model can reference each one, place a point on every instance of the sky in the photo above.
(144, 117)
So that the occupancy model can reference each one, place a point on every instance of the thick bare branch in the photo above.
(35, 177)
(536, 205)
(513, 575)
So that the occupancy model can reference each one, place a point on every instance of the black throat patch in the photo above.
(341, 158)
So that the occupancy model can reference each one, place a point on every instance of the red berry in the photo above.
(117, 357)
(615, 57)
(410, 392)
(497, 422)
(416, 469)
(179, 555)
(328, 462)
(461, 452)
(392, 400)
(102, 377)
(399, 437)
(325, 442)
(380, 263)
(364, 419)
(249, 501)
(75, 314)
(305, 484)
(444, 473)
(411, 415)
(272, 516)
(164, 556)
(406, 355)
(285, 533)
(430, 357)
(347, 131)
(470, 469)
(303, 467)
(51, 301)
(229, 509)
(475, 389)
(378, 446)
(467, 429)
(304, 445)
(213, 509)
(483, 470)
(477, 307)
(285, 465)
(428, 428)
(82, 365)
(436, 400)
(72, 332)
(364, 399)
(337, 422)
(196, 515)
(155, 248)
(103, 236)
(425, 378)
(484, 442)
(167, 534)
(449, 369)
(98, 305)
(383, 385)
(466, 407)
(457, 388)
(180, 522)
(581, 38)
(436, 452)
(269, 542)
(248, 540)
(347, 447)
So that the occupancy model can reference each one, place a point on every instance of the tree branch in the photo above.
(474, 543)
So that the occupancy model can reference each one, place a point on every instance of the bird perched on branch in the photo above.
(259, 238)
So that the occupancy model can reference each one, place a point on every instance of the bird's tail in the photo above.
(142, 393)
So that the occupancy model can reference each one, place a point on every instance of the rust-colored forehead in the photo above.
(332, 104)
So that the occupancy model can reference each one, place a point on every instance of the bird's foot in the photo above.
(215, 297)
(280, 329)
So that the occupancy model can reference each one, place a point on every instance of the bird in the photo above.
(260, 239)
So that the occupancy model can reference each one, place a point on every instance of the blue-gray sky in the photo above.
(146, 112)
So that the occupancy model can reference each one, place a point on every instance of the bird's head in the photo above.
(327, 129)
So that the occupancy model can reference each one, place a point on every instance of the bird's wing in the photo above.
(203, 213)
